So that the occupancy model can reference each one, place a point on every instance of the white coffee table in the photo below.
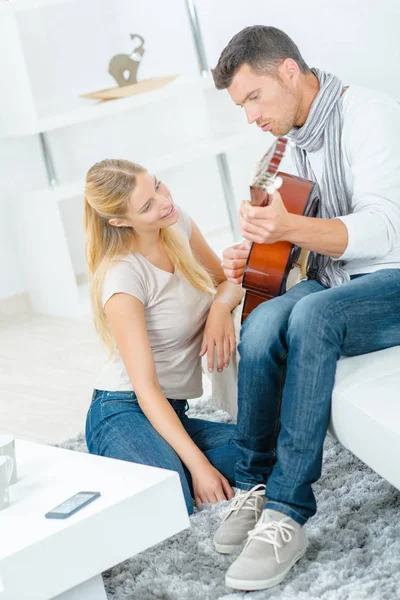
(47, 558)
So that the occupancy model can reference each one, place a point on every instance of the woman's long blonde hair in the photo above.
(109, 185)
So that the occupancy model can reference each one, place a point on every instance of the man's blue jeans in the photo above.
(117, 427)
(289, 350)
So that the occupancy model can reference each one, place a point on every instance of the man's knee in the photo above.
(262, 331)
(315, 314)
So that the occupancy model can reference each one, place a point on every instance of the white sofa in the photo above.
(365, 414)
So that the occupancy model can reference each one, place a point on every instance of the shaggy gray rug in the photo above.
(353, 553)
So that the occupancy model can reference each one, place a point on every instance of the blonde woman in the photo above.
(160, 301)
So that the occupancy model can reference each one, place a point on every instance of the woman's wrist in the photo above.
(197, 462)
(228, 295)
(220, 305)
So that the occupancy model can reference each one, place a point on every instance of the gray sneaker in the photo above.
(276, 543)
(244, 511)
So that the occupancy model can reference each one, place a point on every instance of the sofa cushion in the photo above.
(365, 414)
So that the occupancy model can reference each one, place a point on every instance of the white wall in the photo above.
(68, 48)
(357, 40)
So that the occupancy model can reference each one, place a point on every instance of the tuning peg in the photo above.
(274, 185)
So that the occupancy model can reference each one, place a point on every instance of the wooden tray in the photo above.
(146, 85)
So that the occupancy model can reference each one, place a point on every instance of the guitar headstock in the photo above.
(264, 180)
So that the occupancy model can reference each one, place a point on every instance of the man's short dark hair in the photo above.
(262, 48)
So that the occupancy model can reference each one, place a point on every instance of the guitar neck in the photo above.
(265, 173)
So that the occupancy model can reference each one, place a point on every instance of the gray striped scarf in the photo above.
(324, 127)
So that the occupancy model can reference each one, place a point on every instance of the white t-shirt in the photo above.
(175, 314)
(371, 158)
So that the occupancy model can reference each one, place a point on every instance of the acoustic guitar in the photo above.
(268, 265)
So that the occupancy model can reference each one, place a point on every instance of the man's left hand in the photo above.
(265, 224)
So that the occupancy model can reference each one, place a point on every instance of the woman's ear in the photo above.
(117, 223)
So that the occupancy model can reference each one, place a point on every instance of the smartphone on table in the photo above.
(72, 505)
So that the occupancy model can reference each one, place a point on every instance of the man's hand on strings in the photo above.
(265, 224)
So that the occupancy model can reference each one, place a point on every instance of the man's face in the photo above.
(271, 102)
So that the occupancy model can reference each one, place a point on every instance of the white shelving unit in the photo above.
(171, 160)
(84, 109)
(16, 6)
(44, 250)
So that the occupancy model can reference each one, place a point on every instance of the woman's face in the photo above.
(150, 206)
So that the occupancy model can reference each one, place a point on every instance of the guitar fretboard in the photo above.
(266, 169)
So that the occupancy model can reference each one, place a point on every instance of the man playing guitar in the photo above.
(347, 141)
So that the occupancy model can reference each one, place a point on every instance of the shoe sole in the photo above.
(252, 586)
(227, 549)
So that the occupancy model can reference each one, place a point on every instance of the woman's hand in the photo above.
(219, 336)
(210, 486)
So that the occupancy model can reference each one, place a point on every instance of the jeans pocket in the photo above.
(116, 403)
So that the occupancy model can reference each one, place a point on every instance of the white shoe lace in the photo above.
(246, 501)
(268, 533)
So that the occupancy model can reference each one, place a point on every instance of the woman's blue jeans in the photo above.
(117, 427)
(289, 350)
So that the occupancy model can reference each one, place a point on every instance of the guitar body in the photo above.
(268, 265)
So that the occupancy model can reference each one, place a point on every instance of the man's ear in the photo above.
(290, 69)
(116, 223)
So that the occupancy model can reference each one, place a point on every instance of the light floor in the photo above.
(47, 369)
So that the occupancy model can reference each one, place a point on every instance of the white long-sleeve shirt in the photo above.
(371, 158)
